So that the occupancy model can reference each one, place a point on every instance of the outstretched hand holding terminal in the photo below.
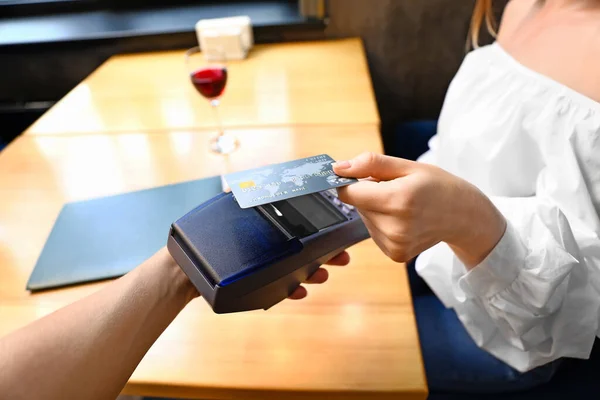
(89, 349)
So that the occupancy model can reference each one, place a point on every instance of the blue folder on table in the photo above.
(109, 236)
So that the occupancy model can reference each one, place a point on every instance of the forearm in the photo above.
(90, 348)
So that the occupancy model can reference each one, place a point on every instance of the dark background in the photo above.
(413, 47)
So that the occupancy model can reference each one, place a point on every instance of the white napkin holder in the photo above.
(225, 38)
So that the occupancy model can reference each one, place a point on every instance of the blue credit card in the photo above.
(286, 180)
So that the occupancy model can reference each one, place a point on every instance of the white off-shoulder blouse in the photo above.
(533, 146)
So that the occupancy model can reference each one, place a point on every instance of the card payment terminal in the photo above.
(245, 259)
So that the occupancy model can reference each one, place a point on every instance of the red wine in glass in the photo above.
(209, 78)
(210, 81)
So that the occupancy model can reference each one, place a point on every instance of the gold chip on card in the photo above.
(246, 184)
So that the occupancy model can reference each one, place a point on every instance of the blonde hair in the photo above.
(482, 11)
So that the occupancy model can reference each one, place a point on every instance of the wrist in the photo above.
(174, 280)
(479, 226)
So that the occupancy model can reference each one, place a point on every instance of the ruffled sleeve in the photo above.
(533, 299)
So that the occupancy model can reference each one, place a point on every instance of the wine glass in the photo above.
(209, 77)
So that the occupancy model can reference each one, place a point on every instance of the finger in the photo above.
(370, 179)
(299, 293)
(320, 276)
(340, 260)
(378, 237)
(374, 165)
(368, 195)
(398, 252)
(373, 230)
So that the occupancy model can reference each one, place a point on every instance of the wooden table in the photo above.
(354, 337)
(282, 84)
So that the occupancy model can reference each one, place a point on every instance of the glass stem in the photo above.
(215, 104)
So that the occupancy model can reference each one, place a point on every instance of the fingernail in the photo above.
(342, 164)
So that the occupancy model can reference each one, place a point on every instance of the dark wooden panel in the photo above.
(414, 48)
